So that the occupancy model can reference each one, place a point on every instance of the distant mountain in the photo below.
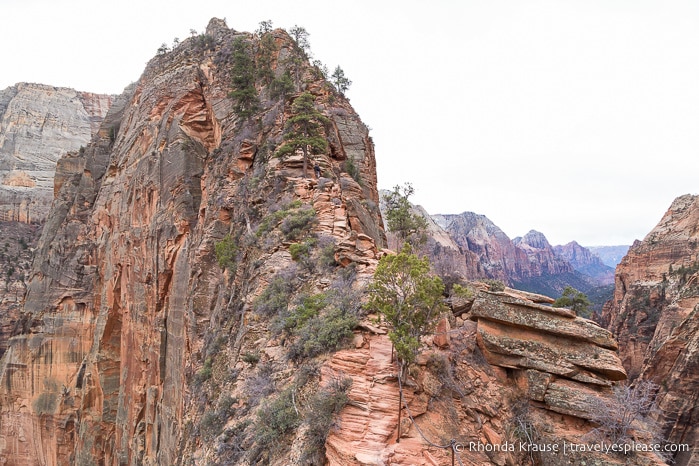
(586, 262)
(610, 255)
(528, 263)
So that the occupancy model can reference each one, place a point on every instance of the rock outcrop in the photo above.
(38, 125)
(555, 351)
(655, 314)
(132, 329)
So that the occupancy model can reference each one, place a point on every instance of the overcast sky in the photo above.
(579, 119)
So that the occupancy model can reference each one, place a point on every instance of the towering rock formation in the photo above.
(528, 263)
(542, 257)
(38, 124)
(128, 303)
(655, 314)
(500, 258)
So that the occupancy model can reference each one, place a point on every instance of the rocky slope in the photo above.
(38, 124)
(655, 314)
(127, 301)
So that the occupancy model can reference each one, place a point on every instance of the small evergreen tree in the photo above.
(575, 300)
(300, 36)
(243, 80)
(266, 52)
(304, 130)
(340, 81)
(400, 218)
(409, 298)
(264, 28)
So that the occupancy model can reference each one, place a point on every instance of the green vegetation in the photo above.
(575, 300)
(323, 333)
(304, 130)
(464, 292)
(275, 420)
(205, 372)
(309, 307)
(275, 298)
(244, 93)
(212, 421)
(408, 226)
(295, 220)
(251, 358)
(321, 416)
(495, 285)
(298, 222)
(340, 81)
(282, 87)
(266, 51)
(409, 298)
(226, 252)
(351, 169)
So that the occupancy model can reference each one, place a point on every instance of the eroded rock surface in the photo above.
(655, 313)
(38, 125)
(557, 350)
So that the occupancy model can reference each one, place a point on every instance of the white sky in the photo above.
(579, 119)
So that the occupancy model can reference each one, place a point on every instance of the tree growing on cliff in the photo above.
(304, 130)
(409, 298)
(400, 218)
(243, 80)
(340, 81)
(575, 300)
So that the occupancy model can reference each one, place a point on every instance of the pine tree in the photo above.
(340, 81)
(243, 80)
(304, 130)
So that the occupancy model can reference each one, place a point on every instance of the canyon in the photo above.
(195, 296)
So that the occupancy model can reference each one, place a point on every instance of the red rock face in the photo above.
(126, 286)
(655, 316)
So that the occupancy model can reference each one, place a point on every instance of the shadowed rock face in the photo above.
(126, 290)
(655, 315)
(38, 125)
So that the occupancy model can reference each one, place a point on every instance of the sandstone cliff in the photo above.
(500, 258)
(38, 124)
(132, 329)
(655, 314)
